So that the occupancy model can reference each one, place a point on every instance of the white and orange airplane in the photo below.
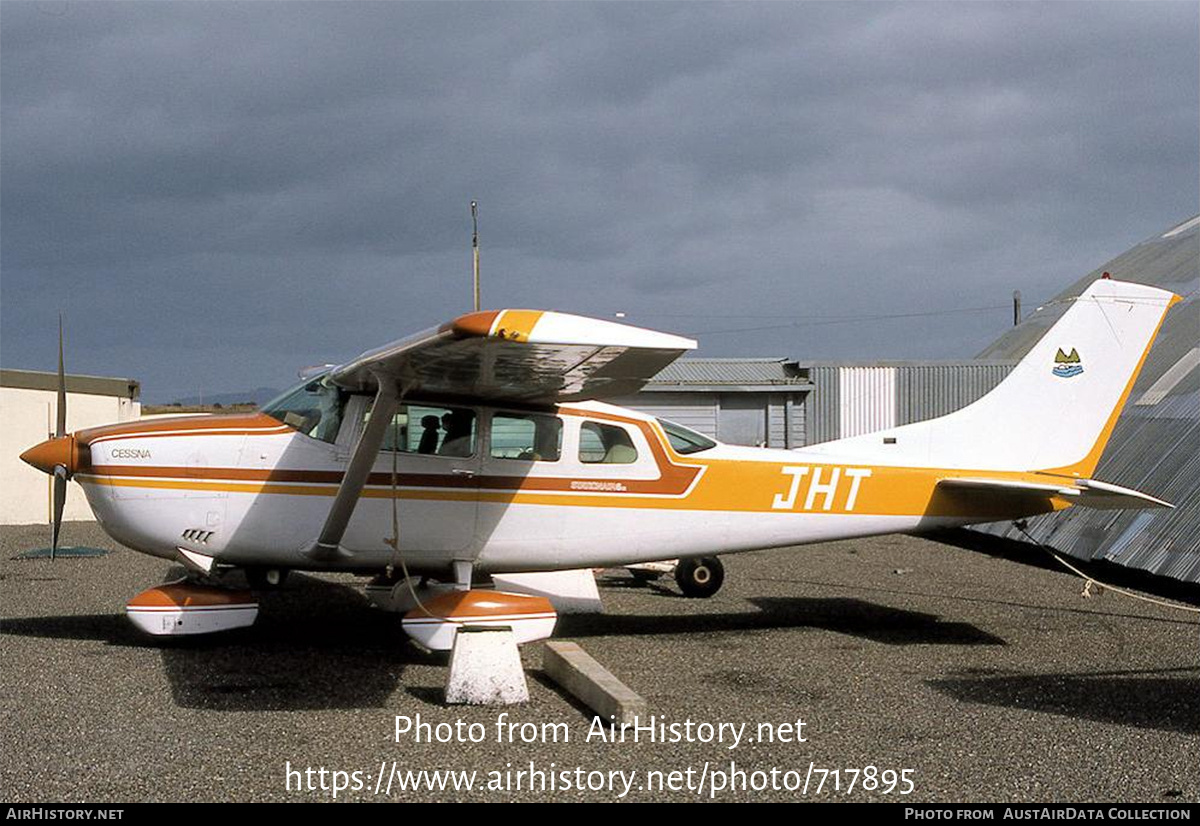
(481, 447)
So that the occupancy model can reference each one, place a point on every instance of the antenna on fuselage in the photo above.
(475, 248)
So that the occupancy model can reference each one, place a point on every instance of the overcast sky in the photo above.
(216, 194)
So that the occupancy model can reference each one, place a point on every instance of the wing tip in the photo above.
(472, 324)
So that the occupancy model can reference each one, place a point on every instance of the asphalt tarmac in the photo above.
(987, 679)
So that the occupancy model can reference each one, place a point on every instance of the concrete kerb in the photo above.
(591, 683)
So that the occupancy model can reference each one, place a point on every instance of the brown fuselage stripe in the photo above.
(675, 486)
(674, 480)
(277, 431)
(137, 429)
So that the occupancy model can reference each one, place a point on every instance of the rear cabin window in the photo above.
(605, 444)
(684, 441)
(531, 437)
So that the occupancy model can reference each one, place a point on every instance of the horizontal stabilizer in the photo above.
(1087, 492)
(1104, 496)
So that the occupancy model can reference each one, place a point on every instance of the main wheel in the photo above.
(266, 579)
(699, 577)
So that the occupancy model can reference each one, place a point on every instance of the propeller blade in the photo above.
(61, 426)
(60, 430)
(60, 499)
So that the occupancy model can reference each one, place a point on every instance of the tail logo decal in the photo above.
(1067, 365)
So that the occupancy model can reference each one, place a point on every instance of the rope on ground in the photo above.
(1087, 588)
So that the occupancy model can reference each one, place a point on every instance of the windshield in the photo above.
(685, 441)
(313, 407)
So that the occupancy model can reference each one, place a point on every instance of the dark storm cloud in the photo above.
(219, 193)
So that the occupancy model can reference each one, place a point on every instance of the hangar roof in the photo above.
(89, 385)
(728, 374)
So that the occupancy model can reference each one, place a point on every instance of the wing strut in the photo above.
(361, 462)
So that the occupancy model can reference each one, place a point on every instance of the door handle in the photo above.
(462, 471)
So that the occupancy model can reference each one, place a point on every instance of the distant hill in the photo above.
(180, 410)
(257, 396)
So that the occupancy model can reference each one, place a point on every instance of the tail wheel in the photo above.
(266, 579)
(700, 578)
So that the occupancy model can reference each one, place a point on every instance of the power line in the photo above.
(819, 321)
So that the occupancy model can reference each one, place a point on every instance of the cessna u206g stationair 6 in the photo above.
(481, 446)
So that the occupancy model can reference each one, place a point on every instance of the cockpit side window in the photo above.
(313, 408)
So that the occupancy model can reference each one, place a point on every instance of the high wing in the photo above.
(524, 356)
(518, 356)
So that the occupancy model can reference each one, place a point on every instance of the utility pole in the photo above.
(475, 248)
(1016, 307)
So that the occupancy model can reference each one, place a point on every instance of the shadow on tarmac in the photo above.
(316, 645)
(1166, 699)
(110, 629)
(1034, 556)
(855, 617)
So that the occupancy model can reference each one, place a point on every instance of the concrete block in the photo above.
(593, 684)
(485, 668)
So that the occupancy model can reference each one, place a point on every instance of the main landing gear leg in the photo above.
(265, 578)
(462, 574)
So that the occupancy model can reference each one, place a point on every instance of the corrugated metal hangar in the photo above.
(852, 398)
(789, 404)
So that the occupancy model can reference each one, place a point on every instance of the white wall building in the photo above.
(28, 410)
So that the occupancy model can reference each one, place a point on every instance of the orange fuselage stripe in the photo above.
(754, 487)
